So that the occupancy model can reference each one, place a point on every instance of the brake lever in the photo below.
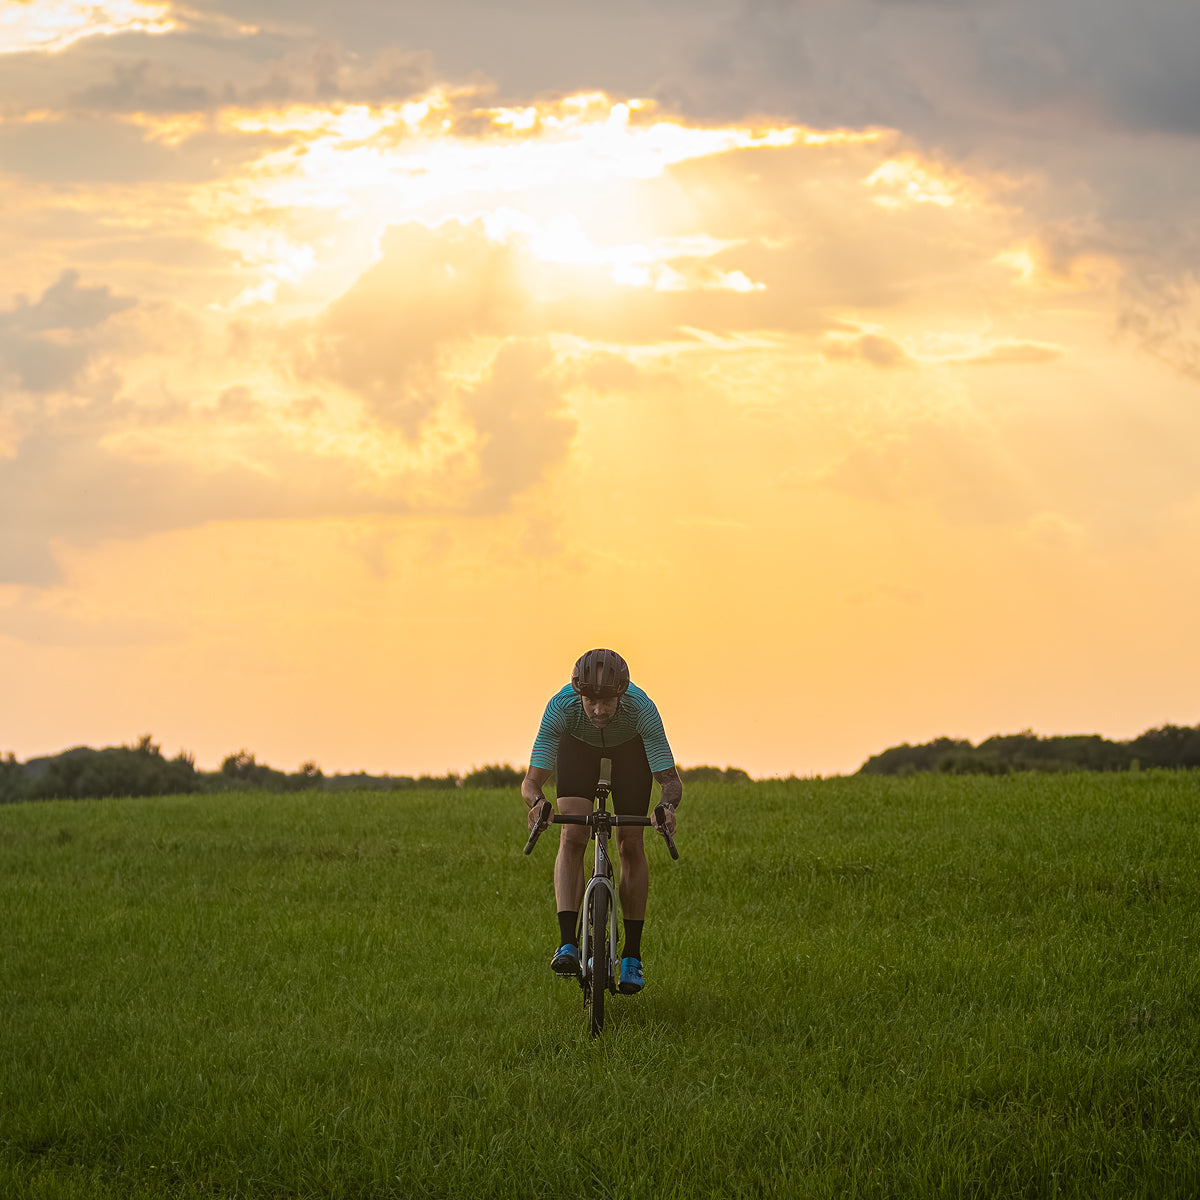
(542, 822)
(659, 812)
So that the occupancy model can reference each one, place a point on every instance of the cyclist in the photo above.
(600, 714)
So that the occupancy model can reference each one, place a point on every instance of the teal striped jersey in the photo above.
(635, 715)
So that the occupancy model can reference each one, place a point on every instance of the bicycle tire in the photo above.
(597, 976)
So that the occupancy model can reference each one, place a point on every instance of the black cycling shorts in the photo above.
(579, 768)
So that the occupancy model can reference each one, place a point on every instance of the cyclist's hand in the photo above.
(535, 813)
(667, 825)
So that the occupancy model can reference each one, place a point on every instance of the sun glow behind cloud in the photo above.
(50, 26)
(532, 172)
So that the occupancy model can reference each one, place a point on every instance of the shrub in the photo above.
(494, 776)
(83, 773)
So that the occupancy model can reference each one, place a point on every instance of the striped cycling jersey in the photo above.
(635, 715)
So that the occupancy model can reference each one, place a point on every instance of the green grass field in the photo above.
(857, 988)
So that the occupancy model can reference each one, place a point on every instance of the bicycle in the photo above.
(599, 907)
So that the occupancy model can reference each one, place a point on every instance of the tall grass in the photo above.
(857, 987)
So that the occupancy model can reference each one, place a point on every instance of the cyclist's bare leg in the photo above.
(635, 874)
(568, 866)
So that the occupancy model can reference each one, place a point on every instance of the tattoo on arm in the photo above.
(672, 785)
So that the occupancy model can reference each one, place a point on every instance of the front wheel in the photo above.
(596, 972)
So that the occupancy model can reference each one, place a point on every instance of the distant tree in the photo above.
(248, 772)
(1170, 746)
(239, 765)
(1167, 746)
(83, 773)
(12, 779)
(449, 780)
(907, 760)
(705, 774)
(307, 778)
(494, 776)
(970, 761)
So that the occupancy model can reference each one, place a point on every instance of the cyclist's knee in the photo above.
(630, 843)
(574, 837)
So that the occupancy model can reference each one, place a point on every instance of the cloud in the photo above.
(386, 337)
(97, 150)
(1110, 464)
(34, 26)
(104, 471)
(144, 86)
(966, 477)
(1014, 354)
(39, 625)
(47, 344)
(868, 347)
(879, 351)
(519, 423)
(456, 415)
(65, 483)
(320, 73)
(327, 72)
(1090, 108)
(1162, 311)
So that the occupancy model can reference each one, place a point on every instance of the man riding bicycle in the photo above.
(600, 714)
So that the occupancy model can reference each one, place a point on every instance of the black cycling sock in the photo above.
(567, 921)
(633, 940)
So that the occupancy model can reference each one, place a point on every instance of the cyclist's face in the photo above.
(600, 712)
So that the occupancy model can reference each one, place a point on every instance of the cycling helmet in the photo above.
(600, 674)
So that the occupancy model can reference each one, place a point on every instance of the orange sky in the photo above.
(354, 380)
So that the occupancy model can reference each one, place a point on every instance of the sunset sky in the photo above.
(361, 365)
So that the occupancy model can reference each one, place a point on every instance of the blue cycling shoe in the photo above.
(566, 961)
(632, 980)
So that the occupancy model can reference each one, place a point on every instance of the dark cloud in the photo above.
(146, 87)
(100, 148)
(46, 344)
(1162, 311)
(65, 305)
(82, 150)
(321, 72)
(327, 72)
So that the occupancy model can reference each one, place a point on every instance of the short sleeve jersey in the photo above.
(636, 714)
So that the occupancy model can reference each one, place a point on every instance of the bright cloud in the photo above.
(536, 172)
(53, 25)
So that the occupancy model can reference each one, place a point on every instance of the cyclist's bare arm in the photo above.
(672, 793)
(531, 791)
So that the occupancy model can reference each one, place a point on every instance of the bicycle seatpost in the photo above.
(604, 783)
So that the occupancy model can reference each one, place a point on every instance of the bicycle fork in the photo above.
(586, 952)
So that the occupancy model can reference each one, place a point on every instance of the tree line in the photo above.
(1173, 747)
(141, 769)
